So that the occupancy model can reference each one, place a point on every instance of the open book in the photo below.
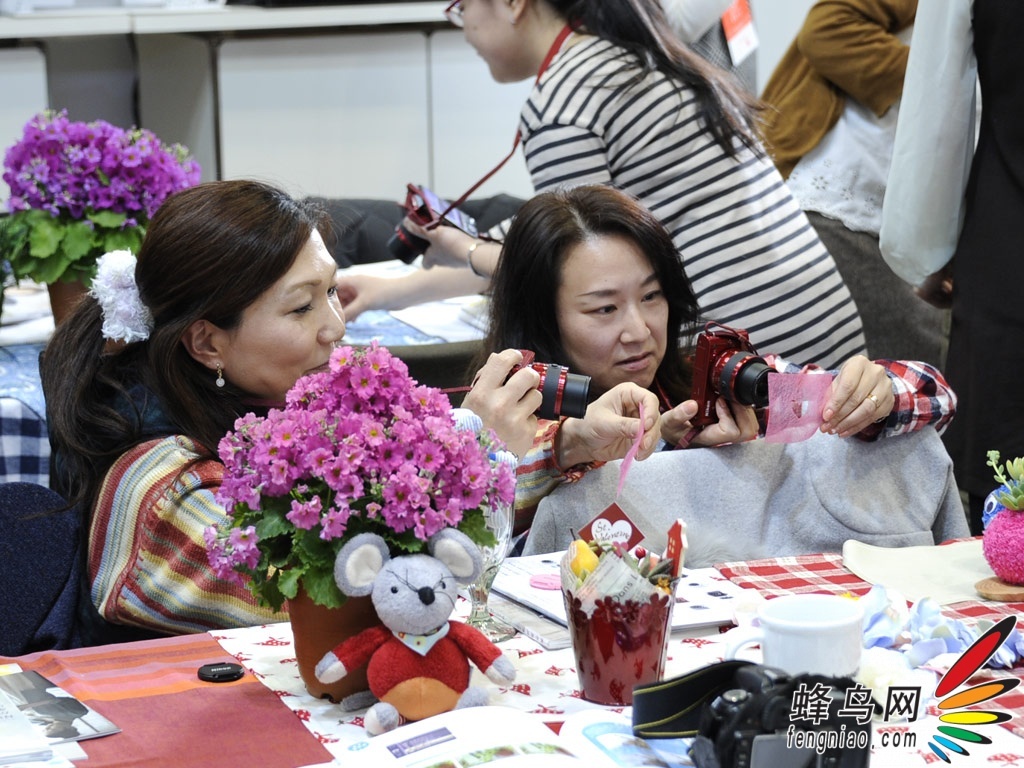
(510, 738)
(704, 597)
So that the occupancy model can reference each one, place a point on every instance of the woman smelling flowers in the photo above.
(239, 302)
(360, 448)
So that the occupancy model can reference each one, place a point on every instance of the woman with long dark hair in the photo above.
(589, 279)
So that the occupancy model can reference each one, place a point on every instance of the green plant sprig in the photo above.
(1013, 495)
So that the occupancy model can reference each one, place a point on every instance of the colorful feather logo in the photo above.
(973, 659)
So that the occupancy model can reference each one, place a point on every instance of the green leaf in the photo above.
(474, 525)
(274, 523)
(45, 237)
(322, 590)
(107, 219)
(14, 231)
(268, 593)
(47, 270)
(79, 241)
(123, 239)
(289, 579)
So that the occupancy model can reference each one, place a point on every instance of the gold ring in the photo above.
(873, 398)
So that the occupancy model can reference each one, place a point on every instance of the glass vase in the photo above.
(499, 522)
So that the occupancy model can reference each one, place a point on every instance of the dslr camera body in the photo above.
(564, 393)
(425, 208)
(726, 365)
(746, 726)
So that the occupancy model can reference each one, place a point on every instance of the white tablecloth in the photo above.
(547, 687)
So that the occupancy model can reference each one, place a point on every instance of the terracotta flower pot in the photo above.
(64, 297)
(317, 630)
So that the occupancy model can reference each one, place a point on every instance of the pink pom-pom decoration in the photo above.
(1003, 545)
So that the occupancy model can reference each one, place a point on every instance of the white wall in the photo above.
(777, 22)
(24, 94)
(92, 78)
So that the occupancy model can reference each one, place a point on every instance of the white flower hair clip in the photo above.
(125, 317)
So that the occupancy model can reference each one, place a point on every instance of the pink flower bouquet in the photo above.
(359, 448)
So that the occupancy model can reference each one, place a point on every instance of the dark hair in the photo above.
(209, 252)
(524, 287)
(640, 26)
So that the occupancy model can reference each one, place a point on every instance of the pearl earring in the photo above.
(220, 376)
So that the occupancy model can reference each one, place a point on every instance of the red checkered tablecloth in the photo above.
(826, 573)
(775, 576)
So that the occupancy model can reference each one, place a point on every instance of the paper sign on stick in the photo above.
(612, 525)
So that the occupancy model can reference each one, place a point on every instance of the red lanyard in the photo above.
(556, 46)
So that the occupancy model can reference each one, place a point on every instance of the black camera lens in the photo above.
(744, 380)
(405, 245)
(564, 393)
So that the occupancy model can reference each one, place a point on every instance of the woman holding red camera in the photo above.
(589, 278)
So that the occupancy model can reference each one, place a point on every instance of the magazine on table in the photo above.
(704, 597)
(20, 741)
(54, 713)
(510, 738)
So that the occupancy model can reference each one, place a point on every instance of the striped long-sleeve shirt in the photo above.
(147, 557)
(922, 395)
(751, 256)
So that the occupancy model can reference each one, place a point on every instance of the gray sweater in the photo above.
(760, 499)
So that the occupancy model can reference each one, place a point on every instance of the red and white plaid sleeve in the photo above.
(923, 397)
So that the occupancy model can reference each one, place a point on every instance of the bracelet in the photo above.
(469, 259)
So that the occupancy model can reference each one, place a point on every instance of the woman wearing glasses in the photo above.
(619, 100)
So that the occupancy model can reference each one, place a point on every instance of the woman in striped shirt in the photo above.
(619, 101)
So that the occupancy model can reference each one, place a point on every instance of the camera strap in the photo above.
(671, 709)
(556, 46)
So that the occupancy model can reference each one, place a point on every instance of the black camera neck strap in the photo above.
(556, 46)
(671, 709)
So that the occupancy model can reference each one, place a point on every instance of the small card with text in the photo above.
(612, 525)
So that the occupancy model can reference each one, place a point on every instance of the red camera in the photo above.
(726, 365)
(563, 393)
(425, 208)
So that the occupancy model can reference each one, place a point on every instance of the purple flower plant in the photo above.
(79, 190)
(360, 447)
(67, 167)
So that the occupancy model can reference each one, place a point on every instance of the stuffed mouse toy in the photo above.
(418, 661)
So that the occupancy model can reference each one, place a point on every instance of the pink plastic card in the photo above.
(795, 403)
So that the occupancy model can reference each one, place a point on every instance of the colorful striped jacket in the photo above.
(147, 557)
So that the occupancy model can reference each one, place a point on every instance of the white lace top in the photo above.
(844, 176)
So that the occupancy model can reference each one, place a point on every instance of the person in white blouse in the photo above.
(836, 95)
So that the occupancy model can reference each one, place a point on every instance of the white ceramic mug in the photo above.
(820, 634)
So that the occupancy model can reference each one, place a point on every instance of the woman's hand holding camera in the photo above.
(861, 394)
(449, 247)
(507, 407)
(610, 428)
(736, 424)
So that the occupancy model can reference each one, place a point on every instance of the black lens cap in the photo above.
(221, 672)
